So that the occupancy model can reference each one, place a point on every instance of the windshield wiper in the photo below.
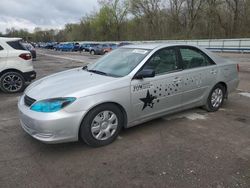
(97, 72)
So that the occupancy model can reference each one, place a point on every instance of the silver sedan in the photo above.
(131, 85)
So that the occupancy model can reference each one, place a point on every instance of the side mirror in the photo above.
(146, 73)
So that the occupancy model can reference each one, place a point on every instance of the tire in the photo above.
(92, 52)
(96, 130)
(12, 82)
(216, 98)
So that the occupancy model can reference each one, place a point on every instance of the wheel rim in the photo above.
(217, 97)
(12, 83)
(104, 125)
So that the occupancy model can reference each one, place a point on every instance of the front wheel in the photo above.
(12, 82)
(215, 98)
(92, 52)
(101, 125)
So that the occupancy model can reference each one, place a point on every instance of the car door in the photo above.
(199, 73)
(152, 96)
(3, 56)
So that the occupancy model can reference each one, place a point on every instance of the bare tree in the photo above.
(148, 9)
(176, 8)
(235, 7)
(118, 11)
(193, 9)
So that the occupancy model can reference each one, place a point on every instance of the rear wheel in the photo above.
(101, 125)
(92, 52)
(215, 98)
(12, 82)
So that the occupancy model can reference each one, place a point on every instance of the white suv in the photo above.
(16, 68)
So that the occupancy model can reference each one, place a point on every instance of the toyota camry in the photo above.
(130, 85)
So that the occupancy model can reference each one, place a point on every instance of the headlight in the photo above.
(52, 105)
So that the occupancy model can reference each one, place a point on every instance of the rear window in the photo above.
(16, 45)
(1, 48)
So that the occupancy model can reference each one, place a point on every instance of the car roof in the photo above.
(152, 46)
(9, 39)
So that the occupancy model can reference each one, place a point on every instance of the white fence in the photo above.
(223, 45)
(220, 45)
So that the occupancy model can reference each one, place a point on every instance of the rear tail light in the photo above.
(25, 56)
(238, 67)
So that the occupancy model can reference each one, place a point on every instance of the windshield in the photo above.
(119, 62)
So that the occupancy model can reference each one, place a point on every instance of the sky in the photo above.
(45, 14)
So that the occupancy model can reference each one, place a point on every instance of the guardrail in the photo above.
(241, 45)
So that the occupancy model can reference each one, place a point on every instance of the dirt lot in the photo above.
(190, 149)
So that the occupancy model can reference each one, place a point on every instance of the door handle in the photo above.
(177, 80)
(213, 71)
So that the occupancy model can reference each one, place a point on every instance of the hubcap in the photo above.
(12, 83)
(217, 97)
(104, 125)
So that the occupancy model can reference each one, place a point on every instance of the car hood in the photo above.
(71, 83)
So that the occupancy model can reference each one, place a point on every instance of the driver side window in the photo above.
(163, 61)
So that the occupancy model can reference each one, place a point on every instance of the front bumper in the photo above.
(56, 127)
(29, 76)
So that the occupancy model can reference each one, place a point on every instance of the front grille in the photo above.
(28, 101)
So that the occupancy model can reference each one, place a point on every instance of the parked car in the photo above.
(83, 46)
(69, 47)
(99, 49)
(16, 68)
(30, 48)
(124, 44)
(130, 85)
(109, 48)
(49, 45)
(59, 47)
(41, 45)
(90, 46)
(76, 47)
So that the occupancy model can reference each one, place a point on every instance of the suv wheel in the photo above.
(12, 82)
(92, 52)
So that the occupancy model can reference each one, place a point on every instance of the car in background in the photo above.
(98, 49)
(69, 47)
(16, 68)
(83, 46)
(90, 46)
(102, 48)
(41, 44)
(124, 44)
(129, 86)
(49, 45)
(30, 48)
(58, 47)
(76, 47)
(109, 48)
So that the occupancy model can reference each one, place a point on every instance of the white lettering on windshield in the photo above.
(138, 51)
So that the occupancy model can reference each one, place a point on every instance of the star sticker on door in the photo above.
(148, 100)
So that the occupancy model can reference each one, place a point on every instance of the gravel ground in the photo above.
(190, 149)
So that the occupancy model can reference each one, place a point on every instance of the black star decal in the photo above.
(148, 101)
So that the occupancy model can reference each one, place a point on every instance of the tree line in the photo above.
(118, 20)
